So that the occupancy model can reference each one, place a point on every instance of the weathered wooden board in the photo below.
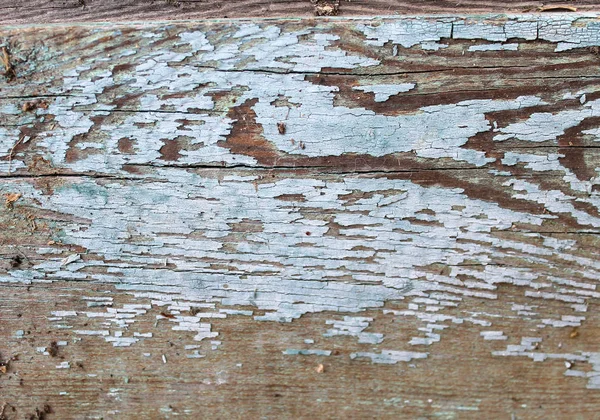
(379, 217)
(60, 11)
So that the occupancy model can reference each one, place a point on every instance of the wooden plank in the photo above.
(53, 11)
(263, 218)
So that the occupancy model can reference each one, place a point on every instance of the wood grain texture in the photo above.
(59, 11)
(286, 218)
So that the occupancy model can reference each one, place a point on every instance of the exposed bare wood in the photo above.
(59, 11)
(267, 218)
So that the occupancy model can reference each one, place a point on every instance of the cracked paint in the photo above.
(174, 184)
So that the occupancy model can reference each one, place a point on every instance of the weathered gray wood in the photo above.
(60, 11)
(386, 194)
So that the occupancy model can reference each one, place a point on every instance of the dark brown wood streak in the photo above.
(390, 217)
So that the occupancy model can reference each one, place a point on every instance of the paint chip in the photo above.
(70, 259)
(64, 365)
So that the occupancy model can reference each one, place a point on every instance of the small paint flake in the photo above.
(195, 355)
(70, 259)
(90, 332)
(64, 313)
(121, 341)
(191, 346)
(315, 352)
(390, 356)
(98, 298)
(493, 335)
(164, 359)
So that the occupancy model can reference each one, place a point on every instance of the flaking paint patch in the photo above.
(541, 127)
(494, 47)
(432, 132)
(226, 202)
(383, 92)
(390, 357)
(354, 326)
(385, 242)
